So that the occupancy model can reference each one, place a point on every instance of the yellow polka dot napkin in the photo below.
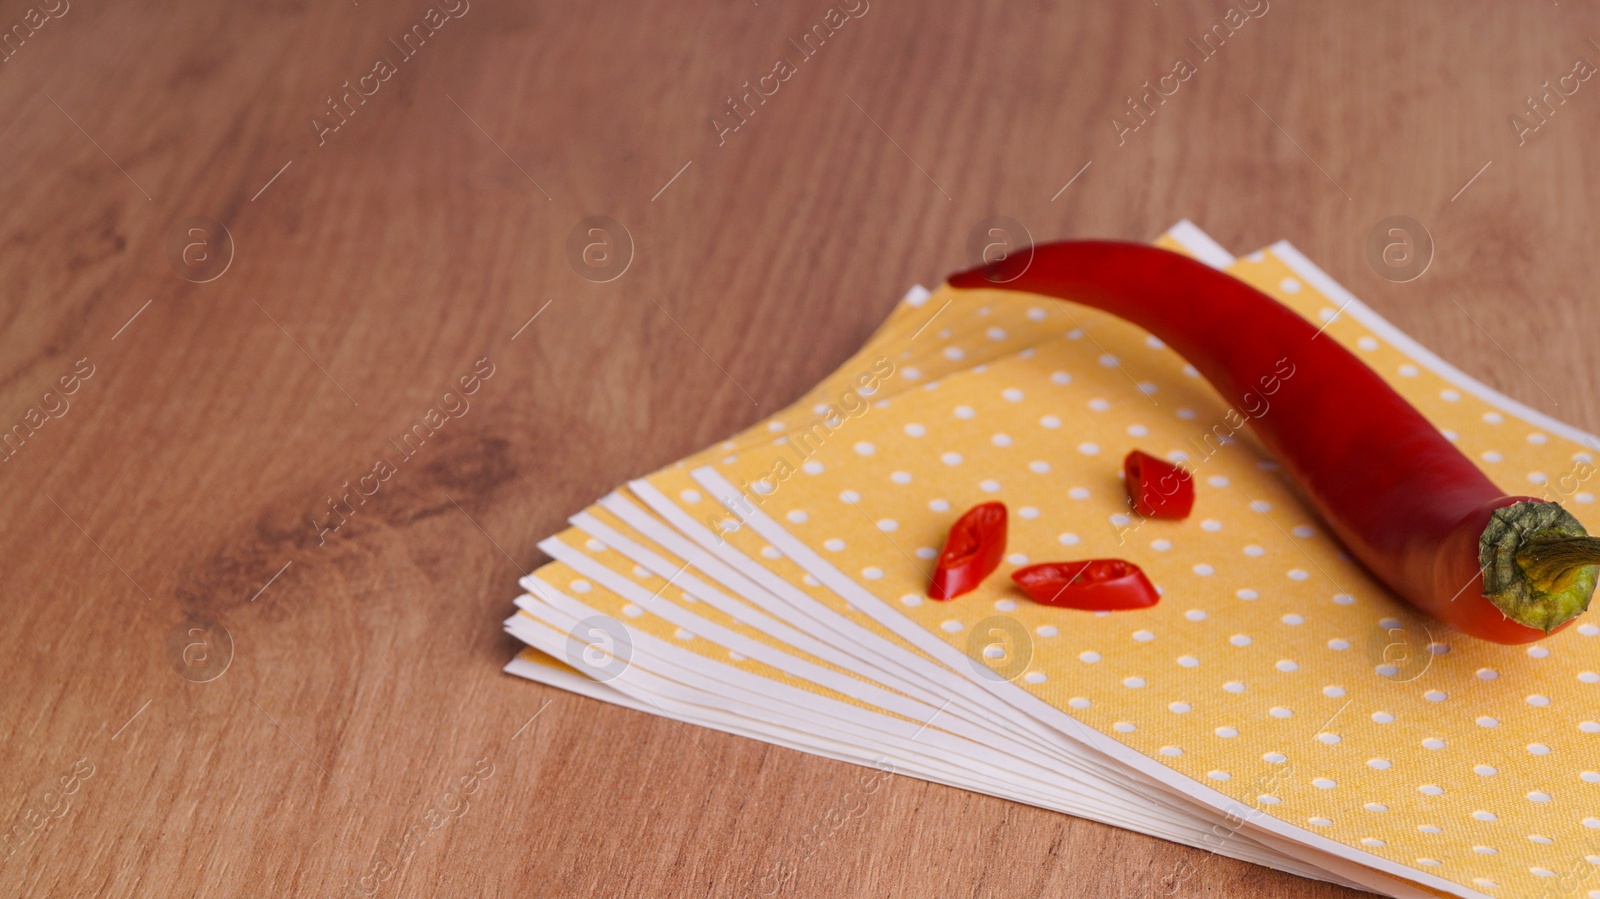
(1276, 705)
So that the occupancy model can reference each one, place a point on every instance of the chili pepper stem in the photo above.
(1553, 563)
(1539, 564)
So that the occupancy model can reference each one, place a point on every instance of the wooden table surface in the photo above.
(396, 212)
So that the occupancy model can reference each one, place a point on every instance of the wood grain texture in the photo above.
(372, 272)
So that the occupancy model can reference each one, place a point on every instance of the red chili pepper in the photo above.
(1406, 502)
(1095, 585)
(972, 552)
(1158, 488)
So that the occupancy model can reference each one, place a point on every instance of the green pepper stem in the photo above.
(1553, 562)
(1539, 564)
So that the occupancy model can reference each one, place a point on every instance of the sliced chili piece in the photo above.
(1405, 501)
(1095, 585)
(972, 552)
(1158, 488)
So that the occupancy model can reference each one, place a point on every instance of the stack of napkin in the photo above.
(1278, 704)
